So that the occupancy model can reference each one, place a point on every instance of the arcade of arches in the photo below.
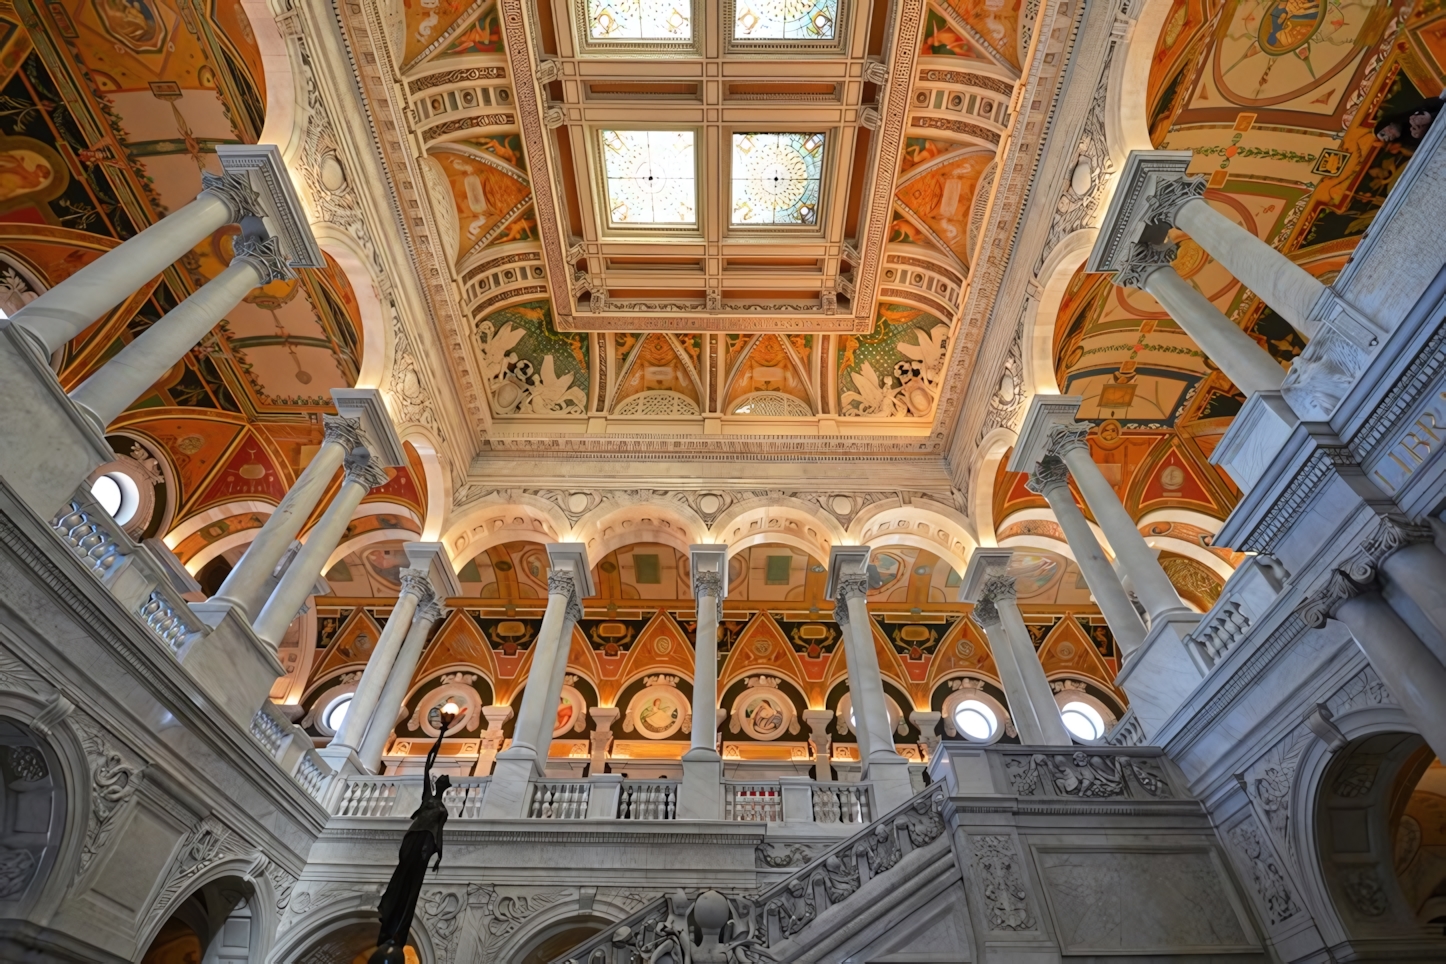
(971, 461)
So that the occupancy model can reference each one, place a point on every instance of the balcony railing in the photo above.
(398, 796)
(841, 803)
(753, 802)
(560, 800)
(648, 800)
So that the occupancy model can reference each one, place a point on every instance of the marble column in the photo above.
(382, 720)
(382, 663)
(701, 795)
(1051, 480)
(244, 587)
(1411, 672)
(362, 475)
(603, 718)
(1031, 701)
(127, 376)
(817, 722)
(491, 742)
(76, 303)
(1407, 557)
(1239, 356)
(1154, 589)
(881, 763)
(526, 758)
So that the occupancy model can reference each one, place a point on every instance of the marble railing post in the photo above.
(567, 583)
(416, 589)
(245, 584)
(701, 795)
(881, 764)
(382, 718)
(817, 722)
(1411, 672)
(1238, 355)
(362, 475)
(70, 307)
(1154, 589)
(1051, 480)
(127, 376)
(987, 584)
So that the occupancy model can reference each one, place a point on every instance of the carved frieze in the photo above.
(1001, 882)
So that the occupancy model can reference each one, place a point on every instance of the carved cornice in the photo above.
(1340, 587)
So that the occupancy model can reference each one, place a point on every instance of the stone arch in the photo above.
(54, 760)
(494, 521)
(924, 525)
(991, 451)
(232, 913)
(611, 526)
(786, 521)
(195, 523)
(1053, 280)
(1126, 120)
(342, 926)
(550, 922)
(438, 489)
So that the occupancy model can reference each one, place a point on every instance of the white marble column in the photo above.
(1051, 480)
(70, 307)
(701, 795)
(382, 718)
(1236, 354)
(416, 589)
(127, 376)
(496, 716)
(1154, 589)
(817, 722)
(603, 718)
(362, 475)
(245, 584)
(1411, 672)
(881, 763)
(1407, 557)
(1031, 701)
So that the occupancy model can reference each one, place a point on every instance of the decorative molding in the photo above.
(1263, 869)
(1001, 882)
(113, 782)
(209, 843)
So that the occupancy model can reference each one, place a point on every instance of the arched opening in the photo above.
(1382, 842)
(349, 943)
(217, 924)
(32, 817)
(557, 938)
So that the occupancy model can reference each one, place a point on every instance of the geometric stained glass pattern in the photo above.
(651, 177)
(639, 19)
(776, 178)
(785, 20)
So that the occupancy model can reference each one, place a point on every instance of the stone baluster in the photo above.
(244, 587)
(567, 582)
(381, 720)
(1411, 672)
(70, 307)
(383, 665)
(1154, 589)
(881, 763)
(701, 797)
(362, 475)
(127, 376)
(1051, 480)
(988, 585)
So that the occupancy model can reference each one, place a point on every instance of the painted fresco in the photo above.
(942, 40)
(895, 370)
(997, 22)
(487, 196)
(529, 367)
(942, 197)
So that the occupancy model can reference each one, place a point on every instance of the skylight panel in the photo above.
(785, 19)
(776, 178)
(629, 20)
(651, 177)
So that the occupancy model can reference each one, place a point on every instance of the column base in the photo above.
(701, 795)
(343, 760)
(507, 794)
(889, 773)
(1162, 674)
(214, 610)
(47, 445)
(233, 667)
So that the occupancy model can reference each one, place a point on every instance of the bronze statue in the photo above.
(423, 841)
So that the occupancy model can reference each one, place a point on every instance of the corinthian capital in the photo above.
(707, 584)
(361, 470)
(1394, 533)
(429, 611)
(985, 613)
(1065, 438)
(560, 582)
(1340, 587)
(417, 582)
(1145, 259)
(1170, 196)
(265, 255)
(849, 586)
(998, 587)
(236, 191)
(1050, 473)
(344, 431)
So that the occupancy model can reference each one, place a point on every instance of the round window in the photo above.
(975, 720)
(336, 713)
(118, 495)
(1083, 721)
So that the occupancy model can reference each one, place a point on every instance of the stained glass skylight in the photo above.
(651, 177)
(640, 19)
(785, 19)
(776, 178)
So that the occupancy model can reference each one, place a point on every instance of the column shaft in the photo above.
(128, 375)
(1153, 587)
(245, 584)
(554, 686)
(320, 543)
(535, 711)
(1420, 571)
(382, 719)
(1124, 621)
(1039, 723)
(871, 711)
(1278, 281)
(379, 664)
(76, 303)
(1414, 676)
(1238, 355)
(705, 677)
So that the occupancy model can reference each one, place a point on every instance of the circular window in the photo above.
(1083, 721)
(117, 494)
(975, 720)
(336, 713)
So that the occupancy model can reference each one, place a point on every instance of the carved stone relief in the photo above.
(113, 782)
(1257, 857)
(208, 843)
(1001, 882)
